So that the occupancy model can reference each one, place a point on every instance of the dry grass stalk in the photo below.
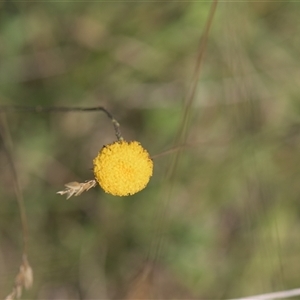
(24, 279)
(141, 286)
(76, 188)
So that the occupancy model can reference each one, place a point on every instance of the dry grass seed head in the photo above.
(24, 279)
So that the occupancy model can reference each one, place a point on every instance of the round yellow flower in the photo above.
(123, 168)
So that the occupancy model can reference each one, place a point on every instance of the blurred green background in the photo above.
(229, 220)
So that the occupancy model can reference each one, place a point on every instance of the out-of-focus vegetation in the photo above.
(228, 222)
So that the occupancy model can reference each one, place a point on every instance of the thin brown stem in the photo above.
(63, 109)
(181, 137)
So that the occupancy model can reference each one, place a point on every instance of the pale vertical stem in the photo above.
(8, 146)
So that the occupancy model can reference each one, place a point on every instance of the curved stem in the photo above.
(63, 109)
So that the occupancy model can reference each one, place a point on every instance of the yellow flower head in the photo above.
(123, 168)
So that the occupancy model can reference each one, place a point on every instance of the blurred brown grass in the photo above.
(233, 219)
